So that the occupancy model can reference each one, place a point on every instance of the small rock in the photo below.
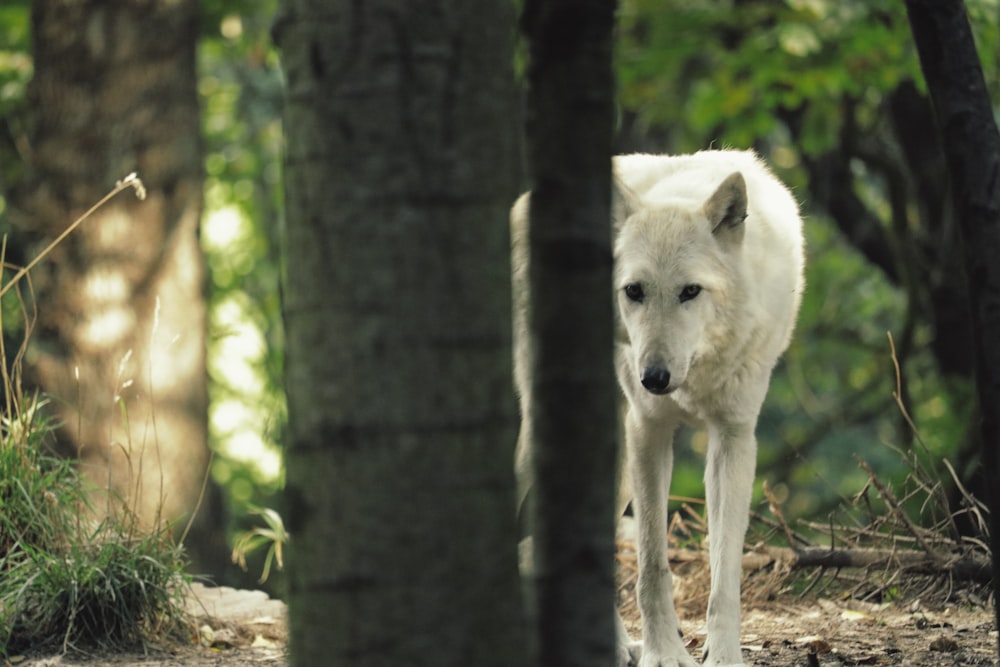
(206, 636)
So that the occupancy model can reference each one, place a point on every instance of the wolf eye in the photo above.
(689, 292)
(633, 291)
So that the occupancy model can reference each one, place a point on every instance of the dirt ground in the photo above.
(779, 630)
(822, 628)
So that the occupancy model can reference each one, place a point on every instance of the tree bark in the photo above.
(120, 338)
(574, 413)
(400, 168)
(971, 144)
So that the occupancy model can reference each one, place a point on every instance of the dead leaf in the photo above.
(819, 646)
(260, 641)
(852, 615)
(815, 644)
(944, 644)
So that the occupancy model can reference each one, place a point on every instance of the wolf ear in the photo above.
(726, 209)
(624, 202)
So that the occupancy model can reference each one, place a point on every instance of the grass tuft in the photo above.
(109, 593)
(70, 577)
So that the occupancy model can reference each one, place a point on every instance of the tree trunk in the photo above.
(400, 168)
(971, 144)
(574, 411)
(120, 338)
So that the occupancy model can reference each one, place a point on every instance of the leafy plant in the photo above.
(274, 537)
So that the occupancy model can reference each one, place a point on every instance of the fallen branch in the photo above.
(965, 568)
(962, 568)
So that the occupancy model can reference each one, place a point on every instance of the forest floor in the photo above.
(823, 626)
(780, 629)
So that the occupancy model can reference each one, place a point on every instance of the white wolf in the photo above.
(708, 256)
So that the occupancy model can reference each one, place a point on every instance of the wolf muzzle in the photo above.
(656, 380)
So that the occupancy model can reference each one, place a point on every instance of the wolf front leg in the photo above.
(649, 444)
(729, 475)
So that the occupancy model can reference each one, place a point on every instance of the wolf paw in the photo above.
(727, 658)
(652, 660)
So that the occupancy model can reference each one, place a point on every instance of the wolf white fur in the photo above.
(708, 279)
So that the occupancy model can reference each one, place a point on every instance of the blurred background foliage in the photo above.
(829, 91)
(241, 91)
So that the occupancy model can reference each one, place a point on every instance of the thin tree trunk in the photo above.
(120, 339)
(971, 144)
(570, 121)
(400, 168)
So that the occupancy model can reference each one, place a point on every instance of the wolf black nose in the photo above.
(656, 379)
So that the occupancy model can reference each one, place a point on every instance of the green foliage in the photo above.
(241, 90)
(15, 72)
(27, 477)
(729, 73)
(15, 60)
(273, 536)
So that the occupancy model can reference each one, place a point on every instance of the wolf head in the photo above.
(675, 260)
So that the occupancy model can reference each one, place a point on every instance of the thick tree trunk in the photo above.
(971, 144)
(120, 338)
(570, 122)
(400, 168)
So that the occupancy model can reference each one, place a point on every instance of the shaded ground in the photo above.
(779, 630)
